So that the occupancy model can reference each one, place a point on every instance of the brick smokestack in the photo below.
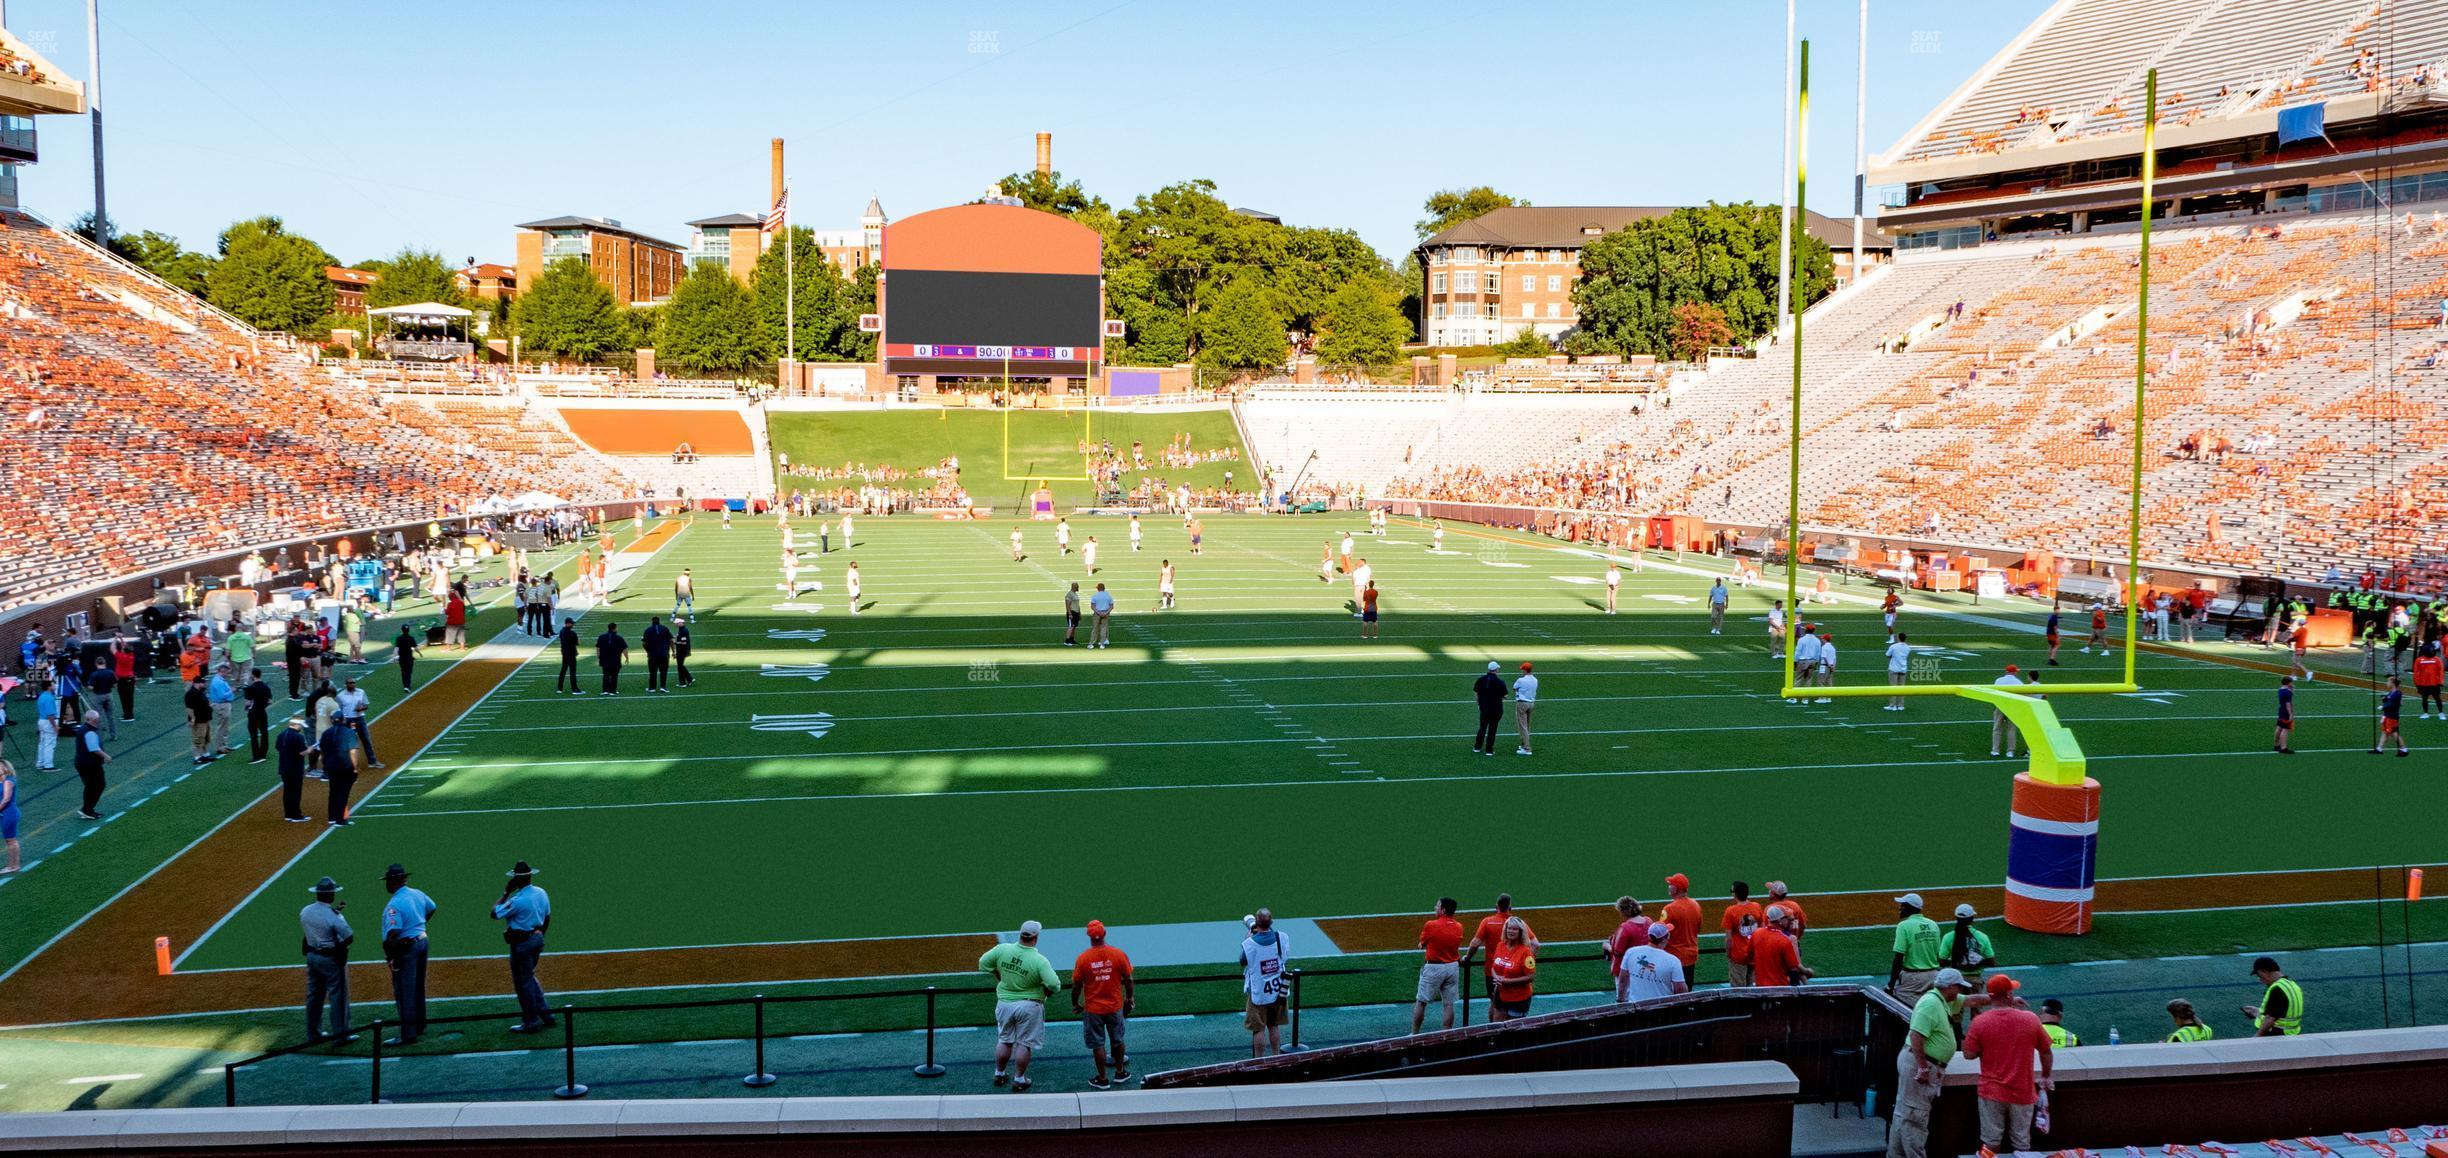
(1045, 154)
(777, 172)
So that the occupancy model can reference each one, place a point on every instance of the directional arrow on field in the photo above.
(812, 723)
(803, 634)
(2154, 697)
(813, 672)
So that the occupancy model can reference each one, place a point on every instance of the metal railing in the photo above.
(758, 1077)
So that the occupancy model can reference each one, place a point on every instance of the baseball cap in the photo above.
(2265, 965)
(2052, 1005)
(1660, 930)
(1776, 888)
(1963, 910)
(1912, 899)
(1952, 977)
(1999, 985)
(1096, 928)
(1493, 665)
(1030, 928)
(1678, 881)
(1525, 665)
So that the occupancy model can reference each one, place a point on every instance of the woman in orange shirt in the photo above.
(1513, 966)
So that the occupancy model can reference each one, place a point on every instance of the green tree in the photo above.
(1245, 329)
(1050, 193)
(568, 313)
(1526, 344)
(1447, 208)
(710, 323)
(827, 324)
(1633, 280)
(412, 277)
(1168, 253)
(1360, 325)
(859, 346)
(162, 256)
(270, 278)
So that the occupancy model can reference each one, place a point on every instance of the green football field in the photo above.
(940, 764)
(1004, 454)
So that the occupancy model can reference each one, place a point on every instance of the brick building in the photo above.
(1492, 277)
(635, 267)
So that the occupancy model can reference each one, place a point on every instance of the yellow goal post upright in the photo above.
(2054, 827)
(1034, 472)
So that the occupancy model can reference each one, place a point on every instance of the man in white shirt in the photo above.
(1776, 629)
(1999, 726)
(1525, 701)
(1651, 971)
(1806, 660)
(1899, 668)
(352, 703)
(1614, 583)
(1266, 983)
(1360, 577)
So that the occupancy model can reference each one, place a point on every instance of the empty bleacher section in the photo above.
(162, 431)
(2299, 379)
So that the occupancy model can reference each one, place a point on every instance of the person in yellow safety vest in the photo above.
(2189, 1027)
(2052, 1023)
(2281, 1011)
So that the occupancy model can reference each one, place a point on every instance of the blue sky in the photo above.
(441, 124)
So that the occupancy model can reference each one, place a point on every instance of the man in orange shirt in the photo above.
(1774, 959)
(1440, 978)
(1683, 913)
(1792, 907)
(1491, 930)
(1102, 993)
(1742, 918)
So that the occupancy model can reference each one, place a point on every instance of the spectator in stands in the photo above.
(2005, 1038)
(1513, 971)
(1631, 934)
(1103, 994)
(1650, 970)
(1775, 957)
(1741, 919)
(1440, 978)
(1778, 895)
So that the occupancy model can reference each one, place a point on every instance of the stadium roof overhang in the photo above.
(2339, 112)
(53, 95)
(2115, 194)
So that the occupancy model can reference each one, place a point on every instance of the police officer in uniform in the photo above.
(403, 933)
(325, 938)
(680, 650)
(657, 640)
(610, 649)
(526, 914)
(569, 657)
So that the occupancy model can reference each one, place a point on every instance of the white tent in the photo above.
(422, 310)
(537, 501)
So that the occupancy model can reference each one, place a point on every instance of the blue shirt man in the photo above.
(1101, 602)
(405, 914)
(404, 947)
(219, 691)
(527, 914)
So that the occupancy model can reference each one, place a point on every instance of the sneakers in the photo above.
(1002, 1078)
(1120, 1074)
(1021, 1085)
(1521, 751)
(1099, 1083)
(84, 815)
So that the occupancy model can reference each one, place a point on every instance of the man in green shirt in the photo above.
(1023, 981)
(1917, 955)
(241, 648)
(1921, 1064)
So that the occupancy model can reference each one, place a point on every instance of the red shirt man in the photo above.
(1741, 919)
(1101, 971)
(1441, 939)
(1683, 914)
(1774, 959)
(2004, 1039)
(1491, 929)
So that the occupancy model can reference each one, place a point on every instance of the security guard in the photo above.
(404, 949)
(325, 938)
(2052, 1023)
(1917, 958)
(527, 914)
(568, 639)
(2189, 1026)
(2281, 1011)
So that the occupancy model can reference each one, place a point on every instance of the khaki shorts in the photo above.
(1440, 981)
(1020, 1023)
(1738, 973)
(1258, 1018)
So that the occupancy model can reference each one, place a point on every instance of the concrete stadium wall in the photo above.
(1736, 1110)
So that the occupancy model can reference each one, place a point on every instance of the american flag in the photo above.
(779, 215)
